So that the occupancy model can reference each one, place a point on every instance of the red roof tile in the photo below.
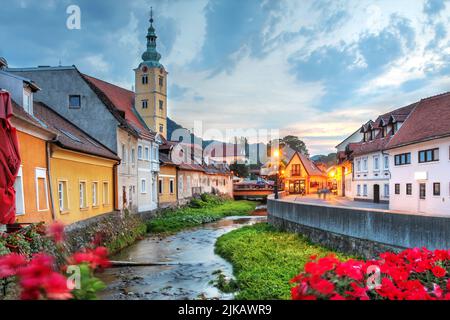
(360, 148)
(123, 100)
(429, 120)
(20, 113)
(69, 135)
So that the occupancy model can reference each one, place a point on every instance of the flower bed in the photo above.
(40, 275)
(414, 274)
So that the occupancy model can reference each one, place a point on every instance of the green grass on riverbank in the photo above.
(264, 260)
(176, 220)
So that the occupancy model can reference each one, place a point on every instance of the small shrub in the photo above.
(198, 203)
(3, 249)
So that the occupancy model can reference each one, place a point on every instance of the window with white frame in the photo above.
(365, 190)
(62, 196)
(133, 156)
(83, 200)
(376, 163)
(20, 199)
(358, 188)
(105, 193)
(143, 186)
(153, 190)
(365, 164)
(155, 153)
(94, 194)
(124, 154)
(386, 162)
(140, 154)
(180, 183)
(358, 166)
(386, 190)
(27, 102)
(41, 189)
(146, 154)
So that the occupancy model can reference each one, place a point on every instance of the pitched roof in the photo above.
(360, 148)
(398, 115)
(308, 164)
(123, 100)
(429, 120)
(20, 113)
(69, 135)
(310, 167)
(379, 142)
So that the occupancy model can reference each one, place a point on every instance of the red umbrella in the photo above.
(9, 161)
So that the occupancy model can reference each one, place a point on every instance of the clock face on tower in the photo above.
(144, 69)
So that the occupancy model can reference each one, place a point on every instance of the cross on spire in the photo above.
(151, 15)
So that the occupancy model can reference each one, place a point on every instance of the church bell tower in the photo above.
(151, 86)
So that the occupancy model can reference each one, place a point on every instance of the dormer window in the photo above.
(384, 131)
(27, 102)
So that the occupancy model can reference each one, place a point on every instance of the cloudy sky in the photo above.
(317, 69)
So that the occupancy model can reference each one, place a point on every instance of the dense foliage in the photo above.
(200, 211)
(264, 260)
(40, 276)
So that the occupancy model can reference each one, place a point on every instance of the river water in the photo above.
(190, 260)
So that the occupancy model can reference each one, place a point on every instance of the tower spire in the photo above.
(151, 16)
(151, 56)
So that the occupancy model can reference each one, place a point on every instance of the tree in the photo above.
(329, 160)
(293, 142)
(239, 169)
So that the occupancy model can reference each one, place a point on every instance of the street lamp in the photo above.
(276, 155)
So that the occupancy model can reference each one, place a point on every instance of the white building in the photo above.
(371, 164)
(138, 149)
(420, 159)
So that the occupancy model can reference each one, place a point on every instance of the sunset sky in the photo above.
(316, 69)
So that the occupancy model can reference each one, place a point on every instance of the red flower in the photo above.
(9, 264)
(337, 297)
(39, 280)
(323, 265)
(358, 292)
(97, 258)
(322, 286)
(56, 231)
(439, 272)
(351, 269)
(300, 291)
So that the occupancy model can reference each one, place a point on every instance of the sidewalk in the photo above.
(332, 200)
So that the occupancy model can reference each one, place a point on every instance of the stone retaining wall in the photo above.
(115, 230)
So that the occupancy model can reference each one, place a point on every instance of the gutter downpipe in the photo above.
(48, 149)
(115, 184)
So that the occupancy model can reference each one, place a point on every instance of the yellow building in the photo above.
(82, 172)
(151, 87)
(301, 175)
(167, 181)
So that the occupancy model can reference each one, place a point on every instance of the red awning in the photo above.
(9, 161)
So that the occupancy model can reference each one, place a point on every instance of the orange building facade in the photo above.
(33, 200)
